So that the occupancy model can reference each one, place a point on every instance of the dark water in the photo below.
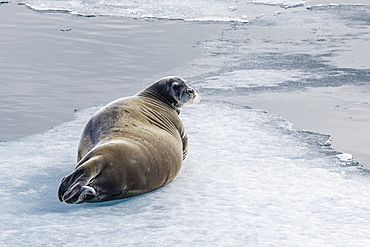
(54, 63)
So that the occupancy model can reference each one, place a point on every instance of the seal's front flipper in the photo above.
(73, 189)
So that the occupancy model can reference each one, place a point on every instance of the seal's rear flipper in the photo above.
(73, 189)
(86, 193)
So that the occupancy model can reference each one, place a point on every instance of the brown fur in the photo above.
(129, 147)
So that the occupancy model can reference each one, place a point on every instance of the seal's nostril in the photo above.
(190, 90)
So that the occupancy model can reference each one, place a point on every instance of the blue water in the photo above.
(249, 179)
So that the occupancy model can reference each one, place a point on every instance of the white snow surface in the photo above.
(249, 180)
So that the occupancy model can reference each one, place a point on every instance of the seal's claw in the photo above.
(86, 193)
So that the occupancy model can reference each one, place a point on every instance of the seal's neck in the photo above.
(150, 94)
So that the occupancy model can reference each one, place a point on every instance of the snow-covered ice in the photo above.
(249, 179)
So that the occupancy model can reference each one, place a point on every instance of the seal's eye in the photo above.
(176, 87)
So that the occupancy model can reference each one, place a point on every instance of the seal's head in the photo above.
(174, 91)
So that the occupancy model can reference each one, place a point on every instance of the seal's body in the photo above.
(131, 146)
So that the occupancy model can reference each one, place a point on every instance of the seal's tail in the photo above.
(75, 188)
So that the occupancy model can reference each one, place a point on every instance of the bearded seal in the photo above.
(131, 146)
